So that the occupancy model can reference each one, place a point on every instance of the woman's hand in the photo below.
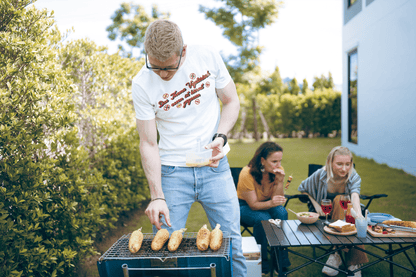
(318, 210)
(279, 175)
(277, 200)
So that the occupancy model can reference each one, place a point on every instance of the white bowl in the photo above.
(310, 218)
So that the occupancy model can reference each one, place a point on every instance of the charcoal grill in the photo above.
(117, 261)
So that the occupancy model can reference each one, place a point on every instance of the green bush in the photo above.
(68, 167)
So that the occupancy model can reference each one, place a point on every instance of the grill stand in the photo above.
(212, 268)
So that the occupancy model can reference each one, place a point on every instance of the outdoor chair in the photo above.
(314, 167)
(235, 172)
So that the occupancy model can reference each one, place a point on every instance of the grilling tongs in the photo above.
(394, 227)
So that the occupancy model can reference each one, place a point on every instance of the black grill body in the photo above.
(117, 261)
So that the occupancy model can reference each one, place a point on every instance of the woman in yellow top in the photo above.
(261, 196)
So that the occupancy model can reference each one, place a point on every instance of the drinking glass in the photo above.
(326, 205)
(343, 201)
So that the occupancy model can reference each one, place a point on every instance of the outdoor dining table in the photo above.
(293, 233)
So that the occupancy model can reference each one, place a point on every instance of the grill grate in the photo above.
(120, 249)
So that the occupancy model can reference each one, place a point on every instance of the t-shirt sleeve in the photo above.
(223, 76)
(245, 181)
(355, 183)
(142, 105)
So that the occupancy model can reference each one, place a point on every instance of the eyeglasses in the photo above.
(166, 68)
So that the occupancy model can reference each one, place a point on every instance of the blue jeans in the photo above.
(212, 187)
(254, 218)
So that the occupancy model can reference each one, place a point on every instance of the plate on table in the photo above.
(380, 217)
(332, 231)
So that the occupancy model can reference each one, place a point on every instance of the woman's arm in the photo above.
(310, 187)
(251, 198)
(355, 200)
(315, 204)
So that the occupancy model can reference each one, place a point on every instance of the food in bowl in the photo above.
(305, 214)
(307, 217)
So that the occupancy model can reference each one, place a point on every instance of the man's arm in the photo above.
(149, 152)
(229, 114)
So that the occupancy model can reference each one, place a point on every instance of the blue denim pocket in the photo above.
(167, 170)
(223, 166)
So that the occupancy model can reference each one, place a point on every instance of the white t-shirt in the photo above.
(185, 107)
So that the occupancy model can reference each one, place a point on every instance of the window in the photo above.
(351, 2)
(352, 97)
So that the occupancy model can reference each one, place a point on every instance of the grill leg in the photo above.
(125, 268)
(213, 270)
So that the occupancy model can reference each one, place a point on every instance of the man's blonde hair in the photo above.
(163, 38)
(337, 151)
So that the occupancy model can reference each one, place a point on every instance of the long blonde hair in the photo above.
(163, 38)
(337, 151)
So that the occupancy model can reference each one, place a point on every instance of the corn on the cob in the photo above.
(160, 239)
(216, 238)
(203, 238)
(175, 239)
(135, 241)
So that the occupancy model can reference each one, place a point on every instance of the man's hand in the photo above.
(154, 212)
(217, 151)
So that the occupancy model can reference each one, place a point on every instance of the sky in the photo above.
(304, 42)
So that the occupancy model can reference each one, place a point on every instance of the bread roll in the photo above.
(342, 226)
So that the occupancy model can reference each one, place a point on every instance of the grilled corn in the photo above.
(135, 241)
(216, 238)
(175, 239)
(160, 239)
(203, 238)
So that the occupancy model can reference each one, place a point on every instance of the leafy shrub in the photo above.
(66, 169)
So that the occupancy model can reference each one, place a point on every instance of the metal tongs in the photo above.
(277, 222)
(396, 227)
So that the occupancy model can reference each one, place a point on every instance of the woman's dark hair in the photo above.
(264, 151)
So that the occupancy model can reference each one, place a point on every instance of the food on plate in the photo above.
(305, 214)
(342, 226)
(135, 241)
(160, 239)
(175, 239)
(288, 182)
(382, 230)
(203, 238)
(216, 238)
(410, 224)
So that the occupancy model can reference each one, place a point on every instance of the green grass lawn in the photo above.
(297, 154)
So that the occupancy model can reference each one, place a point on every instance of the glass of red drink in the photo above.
(343, 201)
(326, 205)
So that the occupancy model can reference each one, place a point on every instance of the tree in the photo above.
(323, 82)
(294, 87)
(241, 21)
(305, 86)
(130, 22)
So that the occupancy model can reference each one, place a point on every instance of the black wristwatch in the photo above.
(221, 136)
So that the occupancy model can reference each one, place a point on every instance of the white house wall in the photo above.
(384, 34)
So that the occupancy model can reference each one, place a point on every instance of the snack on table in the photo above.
(342, 226)
(383, 230)
(410, 224)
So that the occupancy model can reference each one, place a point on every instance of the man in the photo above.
(176, 96)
